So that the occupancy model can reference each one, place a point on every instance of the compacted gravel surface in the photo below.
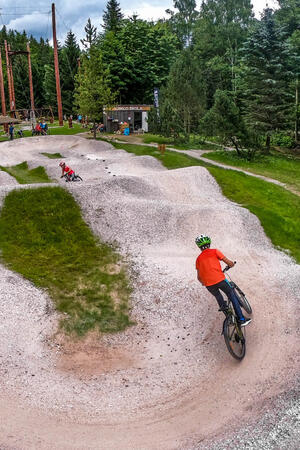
(167, 382)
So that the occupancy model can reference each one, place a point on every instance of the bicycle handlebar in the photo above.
(228, 267)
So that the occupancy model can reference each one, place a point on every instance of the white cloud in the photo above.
(34, 23)
(73, 14)
(146, 11)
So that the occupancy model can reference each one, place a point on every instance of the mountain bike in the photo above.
(76, 178)
(234, 334)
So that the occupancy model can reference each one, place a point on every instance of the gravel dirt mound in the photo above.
(168, 382)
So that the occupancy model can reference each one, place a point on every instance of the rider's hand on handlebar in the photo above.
(229, 266)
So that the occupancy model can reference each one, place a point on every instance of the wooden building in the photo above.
(135, 115)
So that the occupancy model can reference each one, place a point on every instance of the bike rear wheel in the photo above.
(234, 338)
(243, 300)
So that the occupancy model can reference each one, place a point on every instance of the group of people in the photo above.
(99, 128)
(83, 120)
(41, 128)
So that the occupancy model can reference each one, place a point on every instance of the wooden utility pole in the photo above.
(3, 104)
(8, 77)
(30, 77)
(56, 66)
(2, 88)
(12, 81)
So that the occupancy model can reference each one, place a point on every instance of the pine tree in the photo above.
(267, 92)
(90, 35)
(112, 17)
(68, 70)
(183, 100)
(49, 86)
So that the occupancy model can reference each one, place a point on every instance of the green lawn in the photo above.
(24, 175)
(284, 168)
(54, 129)
(44, 238)
(196, 142)
(276, 208)
(196, 146)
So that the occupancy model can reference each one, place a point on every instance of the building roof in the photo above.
(7, 119)
(129, 108)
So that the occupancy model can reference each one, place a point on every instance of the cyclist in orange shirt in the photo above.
(64, 168)
(210, 274)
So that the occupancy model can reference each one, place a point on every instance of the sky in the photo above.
(73, 14)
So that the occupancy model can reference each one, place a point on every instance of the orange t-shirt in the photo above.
(209, 267)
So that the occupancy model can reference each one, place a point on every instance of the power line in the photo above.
(34, 13)
(67, 28)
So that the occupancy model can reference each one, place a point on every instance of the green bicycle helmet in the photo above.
(203, 241)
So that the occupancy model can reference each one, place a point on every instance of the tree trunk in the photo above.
(235, 144)
(268, 142)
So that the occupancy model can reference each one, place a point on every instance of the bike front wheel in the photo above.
(243, 300)
(234, 338)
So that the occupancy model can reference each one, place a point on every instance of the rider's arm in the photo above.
(228, 262)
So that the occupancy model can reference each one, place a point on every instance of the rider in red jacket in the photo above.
(70, 173)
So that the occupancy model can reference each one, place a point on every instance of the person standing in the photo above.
(11, 131)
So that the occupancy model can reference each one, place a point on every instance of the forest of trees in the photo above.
(220, 71)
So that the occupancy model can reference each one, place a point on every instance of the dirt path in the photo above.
(167, 382)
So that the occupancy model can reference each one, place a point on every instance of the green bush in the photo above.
(282, 140)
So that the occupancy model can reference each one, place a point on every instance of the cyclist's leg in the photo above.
(215, 291)
(230, 294)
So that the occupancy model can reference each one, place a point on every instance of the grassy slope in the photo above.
(280, 167)
(51, 245)
(276, 208)
(25, 176)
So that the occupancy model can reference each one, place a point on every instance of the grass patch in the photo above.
(195, 143)
(24, 175)
(170, 159)
(196, 146)
(284, 168)
(44, 238)
(276, 208)
(65, 130)
(54, 129)
(53, 155)
(154, 139)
